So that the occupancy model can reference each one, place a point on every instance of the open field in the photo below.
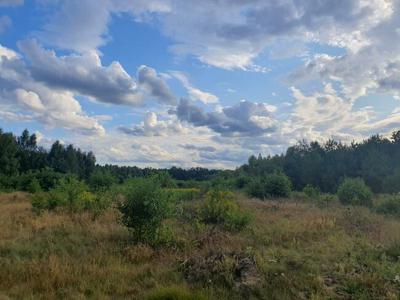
(289, 251)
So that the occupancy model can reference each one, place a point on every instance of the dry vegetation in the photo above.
(290, 251)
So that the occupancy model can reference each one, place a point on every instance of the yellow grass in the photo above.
(300, 252)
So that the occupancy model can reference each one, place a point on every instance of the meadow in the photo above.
(294, 248)
(321, 221)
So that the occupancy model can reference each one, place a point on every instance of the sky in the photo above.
(192, 83)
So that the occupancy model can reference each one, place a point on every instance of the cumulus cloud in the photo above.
(151, 126)
(227, 34)
(91, 19)
(244, 119)
(24, 99)
(85, 75)
(231, 34)
(195, 94)
(374, 68)
(324, 115)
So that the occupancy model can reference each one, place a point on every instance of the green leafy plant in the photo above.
(144, 208)
(270, 186)
(219, 208)
(311, 192)
(101, 180)
(390, 206)
(74, 195)
(354, 191)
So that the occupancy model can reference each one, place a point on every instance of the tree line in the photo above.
(376, 160)
(21, 160)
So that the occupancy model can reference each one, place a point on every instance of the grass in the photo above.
(290, 251)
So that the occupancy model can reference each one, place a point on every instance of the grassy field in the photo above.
(291, 250)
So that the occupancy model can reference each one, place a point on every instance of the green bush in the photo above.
(144, 208)
(181, 194)
(354, 191)
(242, 181)
(73, 195)
(219, 208)
(270, 186)
(101, 180)
(311, 192)
(390, 206)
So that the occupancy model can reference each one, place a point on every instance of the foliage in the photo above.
(311, 192)
(391, 183)
(354, 191)
(269, 186)
(390, 206)
(144, 208)
(183, 194)
(219, 208)
(21, 154)
(101, 180)
(376, 160)
(164, 179)
(74, 195)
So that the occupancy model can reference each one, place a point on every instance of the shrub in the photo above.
(164, 179)
(48, 178)
(311, 192)
(390, 207)
(354, 191)
(101, 180)
(186, 194)
(242, 181)
(144, 208)
(44, 201)
(27, 182)
(73, 195)
(219, 208)
(270, 186)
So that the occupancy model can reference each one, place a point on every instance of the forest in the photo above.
(376, 160)
(320, 221)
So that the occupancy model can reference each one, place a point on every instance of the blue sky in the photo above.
(189, 83)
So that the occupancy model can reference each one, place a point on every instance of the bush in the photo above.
(390, 207)
(183, 194)
(311, 192)
(48, 178)
(144, 208)
(101, 180)
(242, 181)
(219, 208)
(73, 195)
(354, 191)
(270, 186)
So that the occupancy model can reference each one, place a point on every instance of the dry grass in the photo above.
(290, 251)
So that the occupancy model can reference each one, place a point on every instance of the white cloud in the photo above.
(194, 93)
(24, 99)
(151, 126)
(85, 75)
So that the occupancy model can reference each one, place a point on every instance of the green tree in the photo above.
(9, 163)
